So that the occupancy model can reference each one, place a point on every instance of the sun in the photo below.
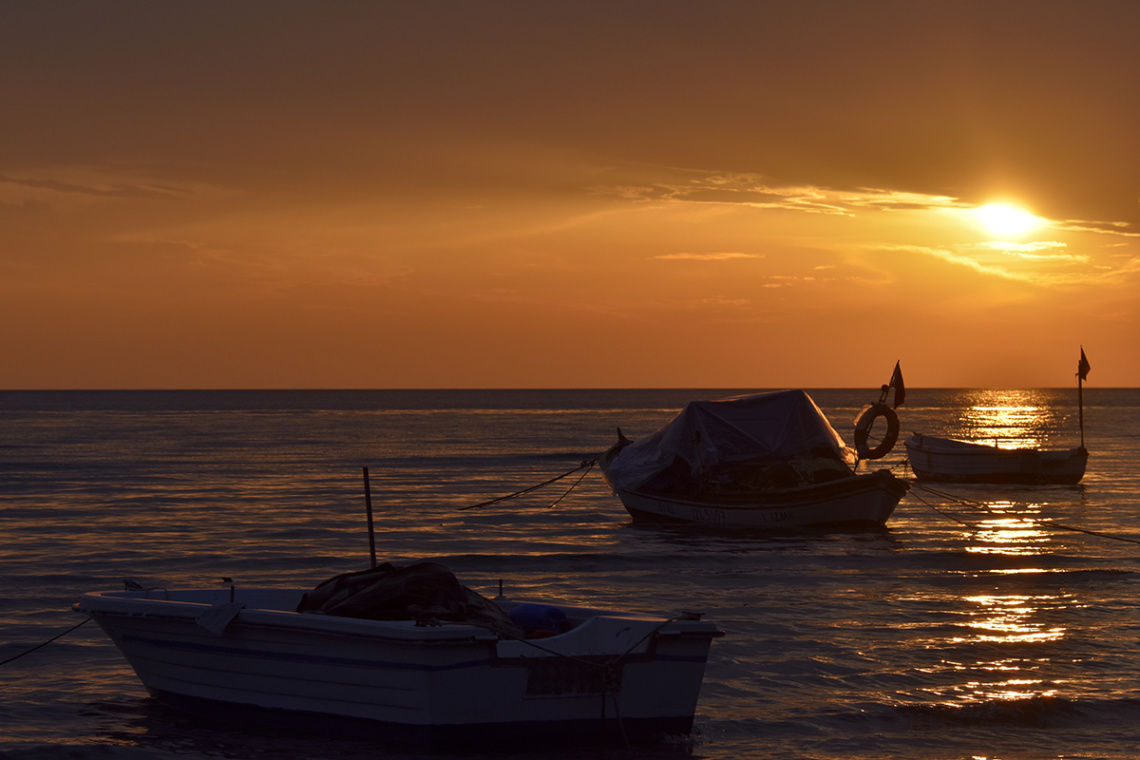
(1003, 219)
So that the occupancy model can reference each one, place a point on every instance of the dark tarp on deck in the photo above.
(427, 592)
(715, 443)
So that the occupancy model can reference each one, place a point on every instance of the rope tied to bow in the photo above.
(586, 465)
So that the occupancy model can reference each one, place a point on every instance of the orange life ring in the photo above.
(863, 427)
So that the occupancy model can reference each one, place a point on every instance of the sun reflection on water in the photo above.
(1009, 606)
(1012, 529)
(1002, 680)
(1007, 419)
(1010, 618)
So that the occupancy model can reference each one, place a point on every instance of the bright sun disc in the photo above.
(1006, 220)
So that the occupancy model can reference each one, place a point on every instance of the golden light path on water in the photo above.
(1010, 420)
(1011, 619)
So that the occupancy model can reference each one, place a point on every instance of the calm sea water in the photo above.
(975, 625)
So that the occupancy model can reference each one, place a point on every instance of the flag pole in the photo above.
(1082, 371)
(1081, 408)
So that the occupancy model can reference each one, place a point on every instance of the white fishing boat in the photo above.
(249, 652)
(769, 461)
(952, 461)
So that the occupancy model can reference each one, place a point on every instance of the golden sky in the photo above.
(568, 194)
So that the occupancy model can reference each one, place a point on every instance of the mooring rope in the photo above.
(585, 465)
(981, 506)
(609, 671)
(44, 644)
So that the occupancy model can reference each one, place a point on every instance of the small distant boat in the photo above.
(952, 461)
(502, 669)
(766, 461)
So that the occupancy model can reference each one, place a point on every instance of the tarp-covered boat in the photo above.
(769, 460)
(413, 655)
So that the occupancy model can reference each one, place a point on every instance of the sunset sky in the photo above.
(568, 194)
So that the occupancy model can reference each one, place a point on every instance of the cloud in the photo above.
(1100, 228)
(951, 255)
(707, 256)
(747, 190)
(104, 188)
(721, 301)
(757, 191)
(1044, 264)
(1044, 251)
(785, 280)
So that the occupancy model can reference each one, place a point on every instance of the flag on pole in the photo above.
(897, 384)
(1084, 366)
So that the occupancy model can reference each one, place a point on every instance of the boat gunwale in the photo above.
(958, 447)
(949, 460)
(783, 498)
(130, 604)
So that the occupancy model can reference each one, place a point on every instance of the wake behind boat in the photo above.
(410, 652)
(769, 460)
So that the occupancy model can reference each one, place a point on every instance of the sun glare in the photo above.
(1003, 219)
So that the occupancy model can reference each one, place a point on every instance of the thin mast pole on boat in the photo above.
(1082, 370)
(1081, 408)
(368, 510)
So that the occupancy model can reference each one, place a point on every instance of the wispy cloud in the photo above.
(1042, 251)
(106, 187)
(721, 302)
(953, 256)
(786, 280)
(1045, 263)
(756, 191)
(725, 256)
(1101, 228)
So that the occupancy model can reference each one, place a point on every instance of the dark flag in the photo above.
(897, 384)
(1084, 366)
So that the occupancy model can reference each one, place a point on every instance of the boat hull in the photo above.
(860, 500)
(445, 682)
(950, 461)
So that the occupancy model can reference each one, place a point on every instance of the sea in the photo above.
(980, 622)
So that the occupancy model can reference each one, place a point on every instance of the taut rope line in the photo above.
(585, 465)
(41, 646)
(982, 507)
